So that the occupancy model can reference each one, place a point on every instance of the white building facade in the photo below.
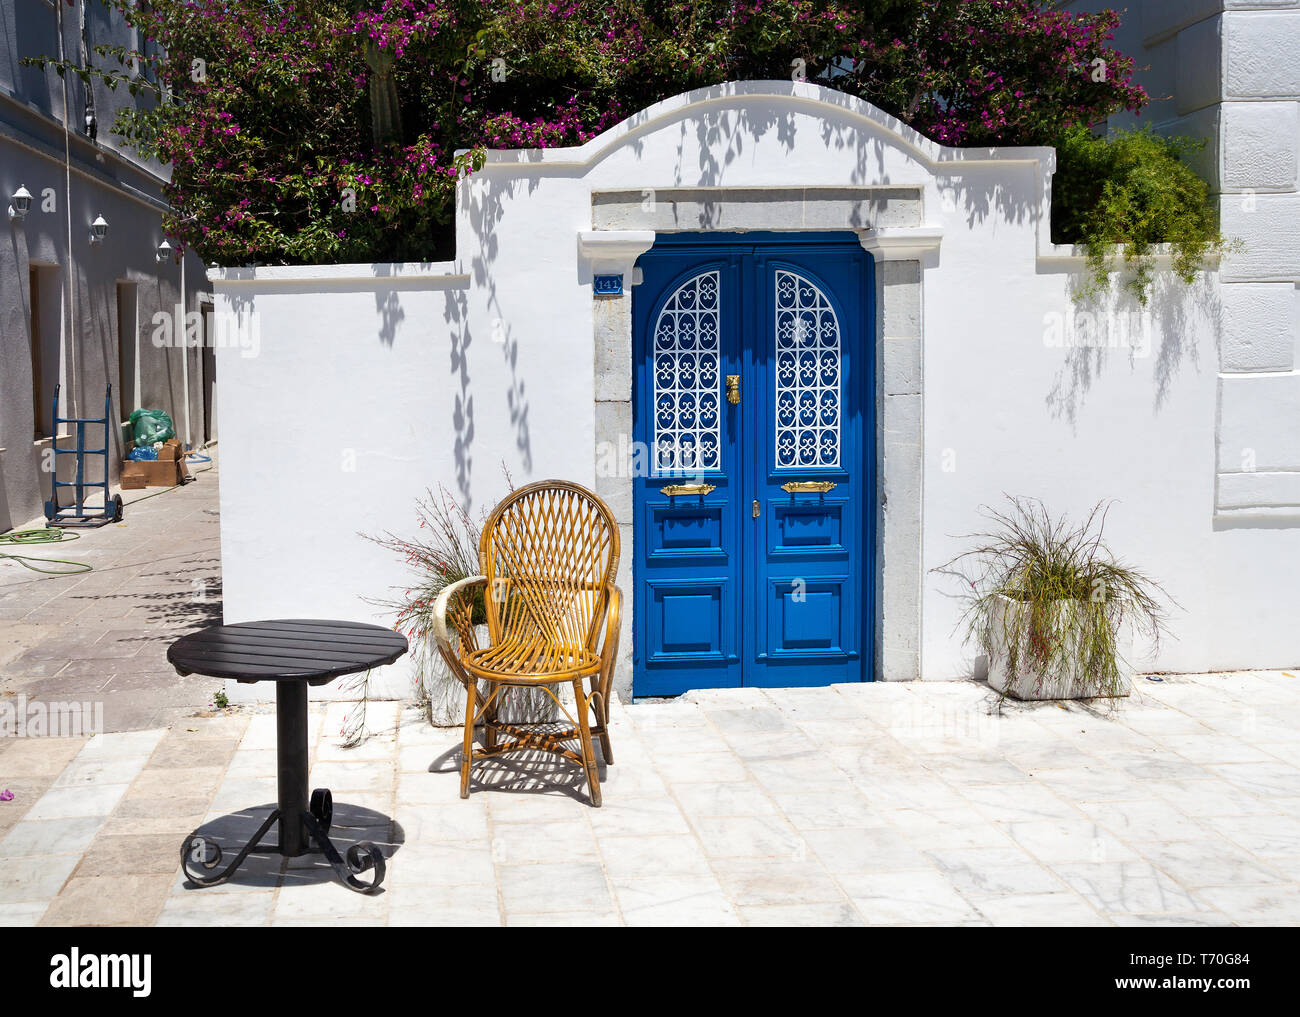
(607, 300)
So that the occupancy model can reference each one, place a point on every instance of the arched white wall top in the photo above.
(793, 95)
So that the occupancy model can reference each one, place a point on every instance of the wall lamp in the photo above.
(163, 253)
(98, 230)
(21, 203)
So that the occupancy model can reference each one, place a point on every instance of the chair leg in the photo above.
(588, 749)
(467, 753)
(602, 718)
(490, 721)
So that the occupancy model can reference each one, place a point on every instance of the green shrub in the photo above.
(1132, 188)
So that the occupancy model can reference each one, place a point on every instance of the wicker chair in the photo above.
(548, 553)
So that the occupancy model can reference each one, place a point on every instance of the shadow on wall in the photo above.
(485, 209)
(1098, 333)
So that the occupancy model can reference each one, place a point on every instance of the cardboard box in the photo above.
(167, 470)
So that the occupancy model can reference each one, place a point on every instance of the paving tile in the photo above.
(237, 910)
(724, 799)
(1265, 836)
(131, 854)
(700, 767)
(832, 914)
(638, 817)
(558, 886)
(1039, 909)
(1068, 840)
(1144, 820)
(820, 810)
(1213, 862)
(448, 863)
(26, 914)
(687, 901)
(907, 898)
(35, 877)
(769, 882)
(67, 802)
(985, 872)
(49, 837)
(1133, 887)
(665, 857)
(874, 849)
(750, 837)
(442, 906)
(563, 840)
(1256, 905)
(566, 919)
(109, 900)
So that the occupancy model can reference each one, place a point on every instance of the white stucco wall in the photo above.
(367, 384)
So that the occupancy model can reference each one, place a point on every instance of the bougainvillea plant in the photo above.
(265, 109)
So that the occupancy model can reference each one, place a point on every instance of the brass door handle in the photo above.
(805, 486)
(672, 490)
(733, 389)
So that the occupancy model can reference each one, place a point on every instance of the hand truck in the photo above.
(77, 514)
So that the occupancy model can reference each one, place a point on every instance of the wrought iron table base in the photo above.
(304, 827)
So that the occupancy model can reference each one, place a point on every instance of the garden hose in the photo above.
(48, 535)
(53, 535)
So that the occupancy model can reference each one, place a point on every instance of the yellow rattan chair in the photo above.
(549, 553)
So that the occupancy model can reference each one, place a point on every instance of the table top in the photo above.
(293, 649)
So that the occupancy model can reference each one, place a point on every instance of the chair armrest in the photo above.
(609, 645)
(454, 610)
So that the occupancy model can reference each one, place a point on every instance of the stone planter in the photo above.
(1027, 682)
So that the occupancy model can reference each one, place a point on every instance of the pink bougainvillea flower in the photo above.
(6, 795)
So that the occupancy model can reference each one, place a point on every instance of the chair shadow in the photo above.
(526, 771)
(350, 824)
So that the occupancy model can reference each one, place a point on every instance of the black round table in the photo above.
(293, 653)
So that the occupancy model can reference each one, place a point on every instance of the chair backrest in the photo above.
(549, 551)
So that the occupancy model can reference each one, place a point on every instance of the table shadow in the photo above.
(351, 823)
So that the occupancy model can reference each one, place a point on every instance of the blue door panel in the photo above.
(740, 580)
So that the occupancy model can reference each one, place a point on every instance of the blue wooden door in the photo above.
(752, 370)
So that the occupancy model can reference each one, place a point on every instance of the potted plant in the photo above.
(1052, 608)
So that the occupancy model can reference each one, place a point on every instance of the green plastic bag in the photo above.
(150, 426)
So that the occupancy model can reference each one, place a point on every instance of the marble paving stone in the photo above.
(724, 799)
(1265, 836)
(700, 768)
(907, 898)
(1256, 905)
(682, 901)
(84, 772)
(771, 882)
(565, 840)
(69, 802)
(638, 817)
(565, 919)
(653, 857)
(874, 849)
(50, 837)
(240, 910)
(1020, 803)
(820, 810)
(317, 893)
(1039, 909)
(559, 886)
(1134, 887)
(830, 914)
(1068, 840)
(35, 877)
(1212, 862)
(987, 872)
(440, 864)
(26, 914)
(456, 821)
(1144, 820)
(750, 837)
(440, 906)
(109, 900)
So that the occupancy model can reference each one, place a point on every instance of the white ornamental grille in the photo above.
(687, 429)
(807, 375)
